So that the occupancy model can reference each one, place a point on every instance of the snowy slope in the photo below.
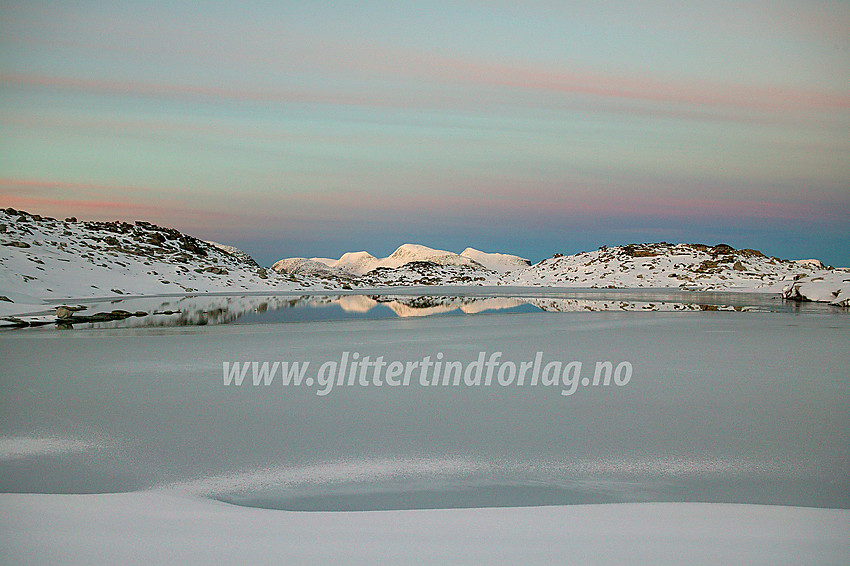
(356, 263)
(303, 266)
(235, 252)
(407, 253)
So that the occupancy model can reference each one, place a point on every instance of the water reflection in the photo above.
(198, 310)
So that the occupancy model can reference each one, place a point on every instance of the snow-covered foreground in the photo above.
(160, 528)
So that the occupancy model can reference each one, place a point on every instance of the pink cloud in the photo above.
(466, 72)
(95, 201)
(637, 88)
(100, 202)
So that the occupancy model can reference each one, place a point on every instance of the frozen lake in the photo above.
(740, 407)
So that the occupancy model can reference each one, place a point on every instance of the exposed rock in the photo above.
(722, 249)
(64, 312)
(635, 250)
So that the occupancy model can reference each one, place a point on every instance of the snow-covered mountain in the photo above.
(359, 264)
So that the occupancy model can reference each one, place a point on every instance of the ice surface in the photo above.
(723, 407)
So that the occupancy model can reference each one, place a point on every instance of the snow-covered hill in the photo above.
(692, 267)
(43, 258)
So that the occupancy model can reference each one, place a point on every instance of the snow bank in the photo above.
(827, 287)
(161, 528)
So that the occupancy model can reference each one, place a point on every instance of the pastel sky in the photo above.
(530, 127)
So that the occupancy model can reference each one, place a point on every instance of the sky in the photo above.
(527, 127)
